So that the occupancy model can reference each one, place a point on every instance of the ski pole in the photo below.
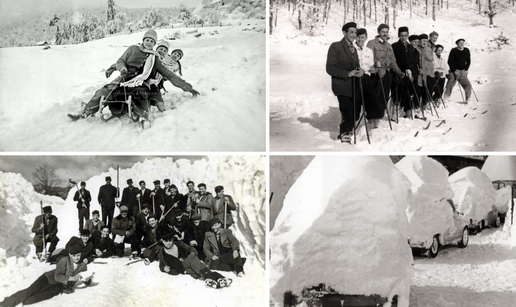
(417, 96)
(397, 98)
(153, 206)
(385, 103)
(354, 112)
(139, 204)
(411, 103)
(436, 86)
(225, 210)
(363, 106)
(474, 93)
(431, 102)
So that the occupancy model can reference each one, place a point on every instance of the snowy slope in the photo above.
(242, 177)
(304, 113)
(39, 87)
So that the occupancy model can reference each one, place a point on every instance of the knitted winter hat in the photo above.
(163, 43)
(178, 51)
(423, 36)
(349, 25)
(402, 29)
(361, 31)
(151, 33)
(382, 26)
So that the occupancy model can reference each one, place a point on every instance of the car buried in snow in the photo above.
(458, 234)
(492, 219)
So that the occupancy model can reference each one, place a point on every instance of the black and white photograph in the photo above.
(392, 75)
(409, 230)
(133, 230)
(124, 75)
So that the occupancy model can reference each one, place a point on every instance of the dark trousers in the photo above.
(226, 262)
(84, 215)
(200, 251)
(414, 93)
(53, 243)
(108, 213)
(40, 290)
(438, 89)
(385, 83)
(373, 105)
(401, 93)
(349, 112)
(135, 245)
(426, 90)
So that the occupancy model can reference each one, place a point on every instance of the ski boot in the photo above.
(211, 283)
(224, 282)
(345, 137)
(134, 256)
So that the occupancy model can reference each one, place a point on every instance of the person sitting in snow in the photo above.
(103, 245)
(87, 249)
(151, 232)
(195, 233)
(142, 221)
(123, 230)
(83, 199)
(95, 225)
(64, 278)
(175, 258)
(178, 224)
(137, 66)
(45, 229)
(223, 249)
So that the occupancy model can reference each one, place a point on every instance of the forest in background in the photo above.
(84, 25)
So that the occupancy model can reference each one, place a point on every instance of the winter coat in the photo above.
(87, 250)
(85, 195)
(211, 247)
(64, 270)
(159, 200)
(123, 224)
(402, 54)
(91, 227)
(459, 59)
(145, 198)
(383, 52)
(189, 201)
(150, 236)
(426, 62)
(365, 58)
(134, 59)
(175, 268)
(440, 65)
(129, 198)
(204, 206)
(196, 233)
(339, 63)
(105, 245)
(141, 222)
(219, 212)
(170, 201)
(50, 228)
(107, 195)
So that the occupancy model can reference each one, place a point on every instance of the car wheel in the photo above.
(465, 238)
(497, 222)
(479, 227)
(434, 249)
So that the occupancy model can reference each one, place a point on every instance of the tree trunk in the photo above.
(299, 17)
(345, 10)
(364, 7)
(433, 11)
(328, 13)
(387, 12)
(426, 7)
(375, 20)
(479, 8)
(394, 5)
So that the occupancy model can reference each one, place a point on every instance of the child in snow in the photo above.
(137, 66)
(176, 258)
(63, 278)
(45, 229)
(223, 249)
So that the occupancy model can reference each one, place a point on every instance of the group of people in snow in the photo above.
(187, 234)
(412, 72)
(143, 70)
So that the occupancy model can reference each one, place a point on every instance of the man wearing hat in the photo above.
(342, 65)
(106, 198)
(217, 206)
(158, 196)
(174, 201)
(86, 248)
(142, 221)
(426, 81)
(63, 278)
(407, 59)
(189, 199)
(195, 232)
(83, 199)
(144, 196)
(385, 62)
(204, 203)
(123, 230)
(103, 244)
(95, 225)
(459, 61)
(45, 229)
(223, 249)
(129, 198)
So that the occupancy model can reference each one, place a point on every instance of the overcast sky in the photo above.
(73, 167)
(17, 9)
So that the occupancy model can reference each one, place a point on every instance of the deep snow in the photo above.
(304, 113)
(39, 88)
(243, 177)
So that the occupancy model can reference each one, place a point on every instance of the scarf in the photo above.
(169, 64)
(147, 68)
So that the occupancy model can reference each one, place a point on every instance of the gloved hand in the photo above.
(123, 71)
(108, 73)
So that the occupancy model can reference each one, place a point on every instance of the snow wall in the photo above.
(473, 193)
(428, 211)
(343, 223)
(503, 199)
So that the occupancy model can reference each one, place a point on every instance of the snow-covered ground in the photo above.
(304, 114)
(137, 284)
(40, 87)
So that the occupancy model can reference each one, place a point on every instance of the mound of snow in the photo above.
(503, 199)
(428, 211)
(343, 223)
(473, 193)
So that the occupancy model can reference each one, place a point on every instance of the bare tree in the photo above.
(491, 11)
(433, 10)
(111, 12)
(47, 179)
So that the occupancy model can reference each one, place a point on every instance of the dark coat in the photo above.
(107, 195)
(159, 200)
(171, 201)
(211, 247)
(121, 225)
(145, 198)
(401, 53)
(339, 63)
(175, 268)
(64, 270)
(150, 236)
(141, 222)
(196, 233)
(85, 195)
(129, 197)
(105, 245)
(219, 212)
(50, 228)
(87, 250)
(204, 206)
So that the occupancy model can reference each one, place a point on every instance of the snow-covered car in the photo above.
(457, 234)
(493, 218)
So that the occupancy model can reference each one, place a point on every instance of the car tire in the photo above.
(465, 238)
(434, 249)
(497, 222)
(479, 227)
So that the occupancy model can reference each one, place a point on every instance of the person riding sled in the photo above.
(138, 67)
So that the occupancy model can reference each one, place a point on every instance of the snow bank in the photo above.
(343, 223)
(428, 211)
(503, 199)
(473, 193)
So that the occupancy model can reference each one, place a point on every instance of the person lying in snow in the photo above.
(64, 278)
(137, 67)
(87, 249)
(177, 258)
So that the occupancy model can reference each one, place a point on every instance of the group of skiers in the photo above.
(411, 72)
(143, 70)
(187, 234)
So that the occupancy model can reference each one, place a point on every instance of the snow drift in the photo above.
(503, 199)
(473, 193)
(343, 223)
(428, 211)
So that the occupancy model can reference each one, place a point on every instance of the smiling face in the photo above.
(202, 189)
(145, 210)
(433, 39)
(404, 37)
(197, 222)
(351, 34)
(424, 43)
(384, 34)
(216, 227)
(361, 40)
(168, 244)
(415, 43)
(75, 258)
(96, 217)
(162, 51)
(152, 222)
(190, 187)
(105, 232)
(148, 43)
(439, 51)
(85, 239)
(176, 56)
(142, 185)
